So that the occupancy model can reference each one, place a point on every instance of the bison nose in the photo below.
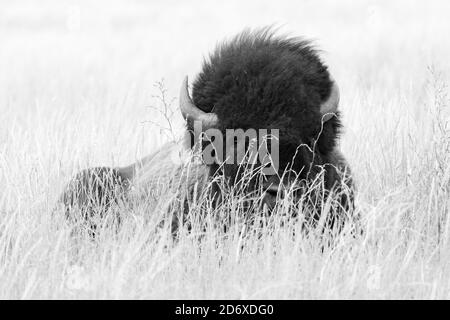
(270, 196)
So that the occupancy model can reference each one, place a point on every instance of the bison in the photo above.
(257, 80)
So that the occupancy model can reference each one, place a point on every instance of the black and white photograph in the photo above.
(245, 151)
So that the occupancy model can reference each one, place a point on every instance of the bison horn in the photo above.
(329, 107)
(191, 113)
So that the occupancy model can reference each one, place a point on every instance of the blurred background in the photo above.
(166, 39)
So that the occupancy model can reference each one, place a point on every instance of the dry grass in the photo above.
(73, 94)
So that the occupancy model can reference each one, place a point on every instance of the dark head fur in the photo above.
(262, 81)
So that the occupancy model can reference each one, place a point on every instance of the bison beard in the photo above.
(259, 81)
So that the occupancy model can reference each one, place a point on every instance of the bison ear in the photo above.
(329, 108)
(191, 113)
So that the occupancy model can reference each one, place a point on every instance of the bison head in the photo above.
(258, 81)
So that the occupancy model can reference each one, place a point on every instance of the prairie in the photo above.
(79, 87)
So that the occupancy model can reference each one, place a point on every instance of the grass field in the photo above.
(76, 80)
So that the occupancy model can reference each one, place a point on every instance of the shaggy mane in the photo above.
(261, 80)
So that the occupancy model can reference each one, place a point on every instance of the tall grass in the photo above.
(74, 96)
